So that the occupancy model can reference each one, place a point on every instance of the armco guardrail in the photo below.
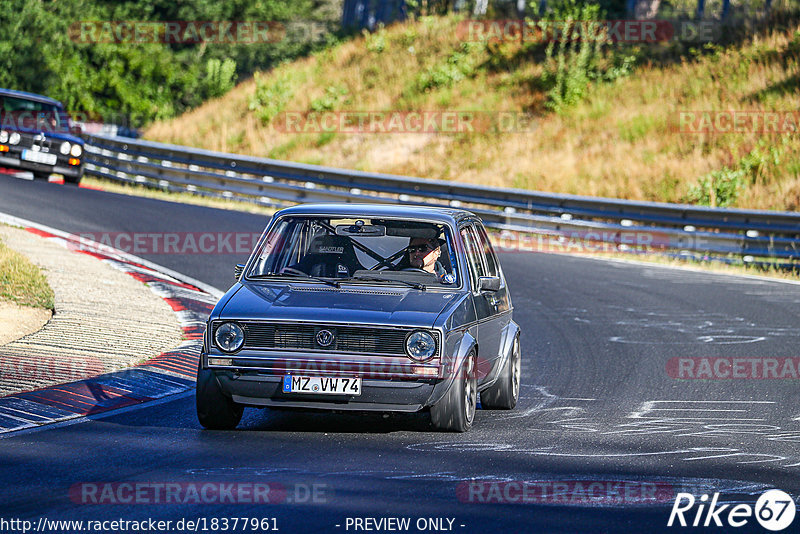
(751, 235)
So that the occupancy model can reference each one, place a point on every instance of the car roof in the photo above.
(30, 96)
(428, 213)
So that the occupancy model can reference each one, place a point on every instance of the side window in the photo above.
(474, 253)
(291, 240)
(488, 252)
(271, 241)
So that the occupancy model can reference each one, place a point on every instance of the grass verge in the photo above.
(21, 282)
(184, 198)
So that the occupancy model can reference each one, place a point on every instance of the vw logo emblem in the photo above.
(324, 338)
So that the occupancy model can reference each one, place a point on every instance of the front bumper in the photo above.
(70, 171)
(255, 378)
(254, 389)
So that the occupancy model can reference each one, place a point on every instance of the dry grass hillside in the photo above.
(622, 140)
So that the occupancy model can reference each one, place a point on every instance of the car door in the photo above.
(486, 304)
(500, 300)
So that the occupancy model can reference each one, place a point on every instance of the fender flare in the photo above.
(512, 332)
(467, 345)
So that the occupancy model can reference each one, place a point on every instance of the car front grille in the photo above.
(41, 142)
(347, 339)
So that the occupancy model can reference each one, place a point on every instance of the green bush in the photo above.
(460, 64)
(568, 60)
(270, 98)
(718, 188)
(375, 42)
(328, 102)
(721, 188)
(220, 76)
(575, 60)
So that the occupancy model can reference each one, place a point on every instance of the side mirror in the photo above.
(489, 283)
(238, 270)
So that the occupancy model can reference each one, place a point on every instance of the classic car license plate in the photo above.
(322, 384)
(39, 157)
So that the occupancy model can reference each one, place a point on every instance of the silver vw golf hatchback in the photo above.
(364, 308)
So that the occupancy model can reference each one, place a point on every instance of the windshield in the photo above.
(373, 250)
(20, 113)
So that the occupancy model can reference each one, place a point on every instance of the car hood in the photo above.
(366, 305)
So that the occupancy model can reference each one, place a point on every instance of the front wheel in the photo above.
(215, 410)
(504, 393)
(456, 410)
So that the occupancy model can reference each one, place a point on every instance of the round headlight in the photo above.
(3, 136)
(13, 138)
(229, 337)
(76, 151)
(65, 146)
(420, 345)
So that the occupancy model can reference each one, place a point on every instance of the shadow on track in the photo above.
(286, 420)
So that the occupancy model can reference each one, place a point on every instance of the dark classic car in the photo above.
(367, 308)
(35, 135)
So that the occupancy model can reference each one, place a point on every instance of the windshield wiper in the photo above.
(328, 281)
(415, 285)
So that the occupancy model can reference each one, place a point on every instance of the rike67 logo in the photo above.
(774, 510)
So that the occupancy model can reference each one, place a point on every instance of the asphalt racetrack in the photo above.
(603, 440)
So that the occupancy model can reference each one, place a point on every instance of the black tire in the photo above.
(41, 176)
(72, 180)
(455, 412)
(504, 393)
(215, 410)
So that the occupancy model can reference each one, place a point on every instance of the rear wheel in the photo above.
(456, 410)
(215, 410)
(503, 394)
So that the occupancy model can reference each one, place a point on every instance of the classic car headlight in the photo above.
(3, 136)
(65, 146)
(76, 151)
(13, 138)
(229, 337)
(420, 345)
